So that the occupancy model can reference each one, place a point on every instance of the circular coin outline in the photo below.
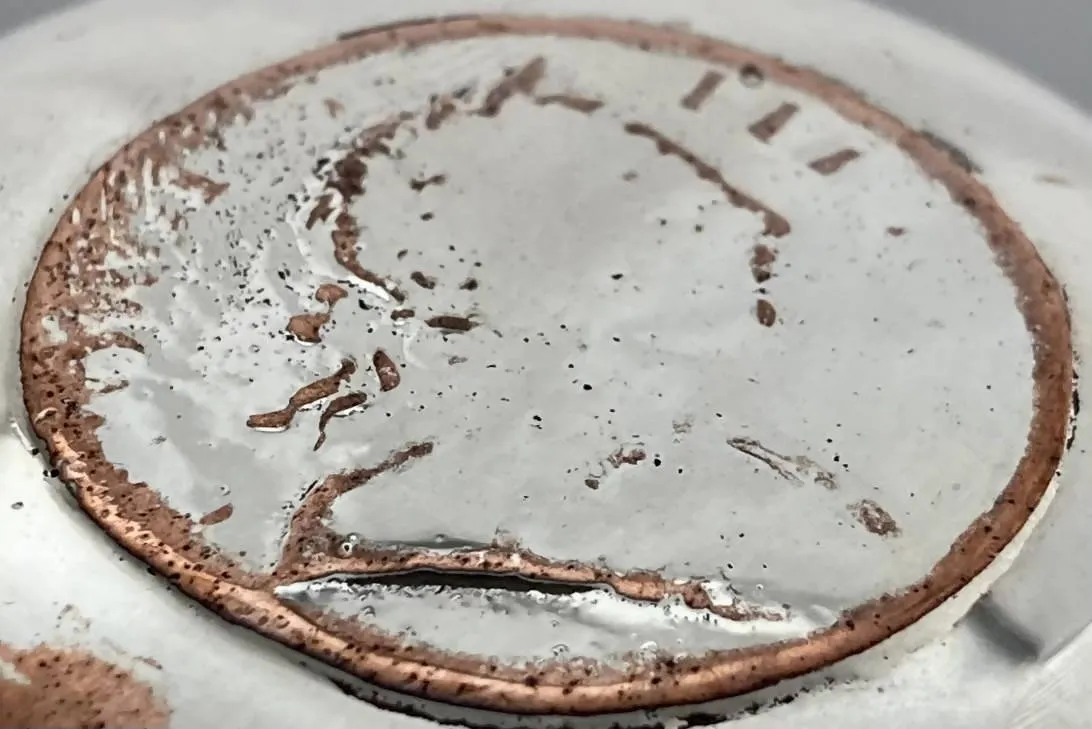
(137, 518)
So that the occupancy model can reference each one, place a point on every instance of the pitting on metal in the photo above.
(353, 347)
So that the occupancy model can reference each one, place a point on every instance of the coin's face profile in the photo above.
(549, 366)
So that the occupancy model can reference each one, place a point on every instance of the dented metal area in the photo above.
(562, 368)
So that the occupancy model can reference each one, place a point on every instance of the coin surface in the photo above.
(447, 354)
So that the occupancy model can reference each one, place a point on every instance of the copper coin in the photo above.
(549, 366)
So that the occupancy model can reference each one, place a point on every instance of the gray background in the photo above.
(1048, 39)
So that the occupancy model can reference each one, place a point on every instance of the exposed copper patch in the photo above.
(765, 313)
(570, 101)
(386, 370)
(754, 449)
(306, 395)
(451, 323)
(422, 280)
(68, 688)
(137, 517)
(619, 458)
(622, 457)
(330, 294)
(776, 225)
(701, 92)
(798, 469)
(311, 553)
(875, 519)
(510, 561)
(421, 183)
(439, 110)
(335, 408)
(345, 237)
(833, 162)
(522, 81)
(308, 327)
(210, 189)
(113, 387)
(762, 260)
(346, 177)
(547, 674)
(322, 211)
(217, 516)
(956, 154)
(768, 126)
(306, 528)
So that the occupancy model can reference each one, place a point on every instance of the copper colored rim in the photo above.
(136, 517)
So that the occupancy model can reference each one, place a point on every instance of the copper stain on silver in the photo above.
(94, 272)
(67, 687)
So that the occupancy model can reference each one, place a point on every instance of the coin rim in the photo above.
(718, 675)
